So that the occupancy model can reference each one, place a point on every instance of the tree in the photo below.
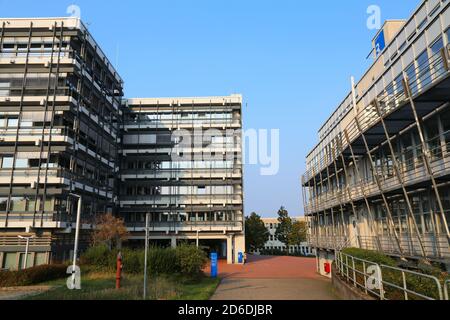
(256, 233)
(284, 228)
(298, 233)
(110, 230)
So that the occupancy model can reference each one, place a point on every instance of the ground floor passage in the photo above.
(13, 257)
(273, 278)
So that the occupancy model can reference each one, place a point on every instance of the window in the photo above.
(201, 190)
(3, 204)
(22, 163)
(423, 69)
(438, 66)
(411, 73)
(7, 162)
(448, 35)
(13, 122)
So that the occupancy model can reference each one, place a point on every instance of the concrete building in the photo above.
(59, 124)
(274, 244)
(61, 131)
(182, 163)
(379, 178)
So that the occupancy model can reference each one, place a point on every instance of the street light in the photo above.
(26, 249)
(147, 218)
(77, 236)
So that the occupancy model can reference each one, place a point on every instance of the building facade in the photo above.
(62, 140)
(182, 165)
(274, 244)
(379, 178)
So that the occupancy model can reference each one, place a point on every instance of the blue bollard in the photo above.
(214, 265)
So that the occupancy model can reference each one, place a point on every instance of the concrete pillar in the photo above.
(239, 246)
(230, 249)
(173, 242)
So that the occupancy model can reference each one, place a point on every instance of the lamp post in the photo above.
(77, 236)
(24, 266)
(147, 217)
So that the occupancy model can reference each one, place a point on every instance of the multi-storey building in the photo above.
(182, 165)
(60, 135)
(274, 244)
(379, 178)
(59, 111)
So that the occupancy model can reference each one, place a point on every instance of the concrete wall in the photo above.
(323, 257)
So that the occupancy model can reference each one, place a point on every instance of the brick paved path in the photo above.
(273, 278)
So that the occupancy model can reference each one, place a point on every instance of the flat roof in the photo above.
(234, 98)
(75, 23)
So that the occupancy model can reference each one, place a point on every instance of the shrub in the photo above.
(188, 260)
(32, 276)
(419, 284)
(191, 260)
(373, 256)
(162, 261)
(133, 261)
(99, 258)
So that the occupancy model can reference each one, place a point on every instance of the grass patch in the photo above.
(101, 286)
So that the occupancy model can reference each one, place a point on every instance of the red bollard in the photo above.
(119, 270)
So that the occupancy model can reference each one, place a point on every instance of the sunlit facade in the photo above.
(379, 178)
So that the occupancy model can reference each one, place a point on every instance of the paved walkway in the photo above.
(17, 293)
(273, 278)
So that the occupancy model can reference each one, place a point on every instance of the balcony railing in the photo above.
(393, 96)
(412, 169)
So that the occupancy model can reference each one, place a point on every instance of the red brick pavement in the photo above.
(268, 267)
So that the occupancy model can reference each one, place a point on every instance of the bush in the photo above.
(415, 283)
(186, 260)
(162, 261)
(32, 276)
(99, 258)
(373, 256)
(190, 259)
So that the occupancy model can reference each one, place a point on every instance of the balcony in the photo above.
(428, 83)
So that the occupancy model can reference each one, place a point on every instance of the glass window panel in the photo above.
(7, 162)
(10, 261)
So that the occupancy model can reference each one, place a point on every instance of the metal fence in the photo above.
(388, 282)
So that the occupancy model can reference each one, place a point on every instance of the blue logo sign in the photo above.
(214, 266)
(380, 43)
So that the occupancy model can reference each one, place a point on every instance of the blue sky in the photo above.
(291, 60)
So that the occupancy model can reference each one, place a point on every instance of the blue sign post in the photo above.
(214, 266)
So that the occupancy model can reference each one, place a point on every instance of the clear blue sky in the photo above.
(291, 59)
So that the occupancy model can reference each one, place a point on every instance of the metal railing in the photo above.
(387, 282)
(392, 97)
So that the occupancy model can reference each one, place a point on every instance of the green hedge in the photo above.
(415, 283)
(372, 256)
(184, 259)
(32, 276)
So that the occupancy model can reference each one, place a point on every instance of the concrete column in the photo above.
(230, 249)
(173, 242)
(239, 246)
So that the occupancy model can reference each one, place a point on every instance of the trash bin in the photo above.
(240, 257)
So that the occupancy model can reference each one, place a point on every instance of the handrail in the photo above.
(348, 270)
